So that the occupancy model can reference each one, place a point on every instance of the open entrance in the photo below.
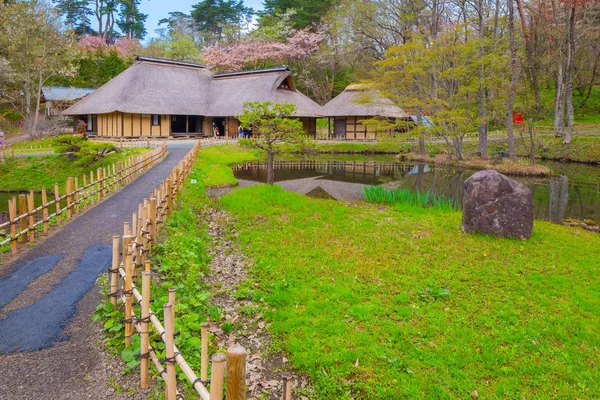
(186, 124)
(220, 123)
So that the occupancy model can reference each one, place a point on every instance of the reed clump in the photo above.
(378, 194)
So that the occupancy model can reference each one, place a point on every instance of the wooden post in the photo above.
(99, 180)
(77, 197)
(126, 229)
(170, 353)
(12, 214)
(216, 376)
(92, 187)
(114, 274)
(128, 294)
(134, 228)
(204, 351)
(287, 386)
(45, 209)
(104, 182)
(22, 220)
(172, 302)
(144, 333)
(236, 373)
(69, 196)
(31, 216)
(152, 220)
(168, 195)
(83, 192)
(126, 240)
(57, 203)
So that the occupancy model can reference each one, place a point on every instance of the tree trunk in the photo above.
(271, 167)
(458, 148)
(569, 75)
(483, 126)
(513, 81)
(39, 93)
(420, 174)
(421, 138)
(530, 56)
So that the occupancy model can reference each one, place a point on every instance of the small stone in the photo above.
(495, 204)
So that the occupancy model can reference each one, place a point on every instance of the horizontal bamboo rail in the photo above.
(106, 180)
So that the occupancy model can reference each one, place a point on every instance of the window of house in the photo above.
(155, 120)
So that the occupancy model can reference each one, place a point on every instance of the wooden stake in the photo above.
(45, 209)
(204, 351)
(12, 214)
(169, 199)
(144, 333)
(57, 203)
(22, 220)
(114, 275)
(99, 180)
(134, 228)
(170, 353)
(104, 182)
(69, 197)
(126, 229)
(216, 376)
(128, 294)
(172, 302)
(236, 373)
(31, 216)
(152, 219)
(92, 187)
(287, 386)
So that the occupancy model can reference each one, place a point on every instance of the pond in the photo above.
(573, 193)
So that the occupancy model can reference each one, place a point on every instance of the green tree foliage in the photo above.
(76, 14)
(272, 123)
(82, 151)
(94, 70)
(219, 20)
(439, 77)
(131, 20)
(182, 48)
(308, 12)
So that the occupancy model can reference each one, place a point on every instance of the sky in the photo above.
(159, 9)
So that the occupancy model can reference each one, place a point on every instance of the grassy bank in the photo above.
(381, 302)
(213, 164)
(33, 173)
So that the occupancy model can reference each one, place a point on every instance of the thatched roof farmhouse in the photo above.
(355, 104)
(162, 98)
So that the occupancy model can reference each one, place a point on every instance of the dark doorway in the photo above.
(340, 128)
(220, 122)
(178, 123)
(192, 124)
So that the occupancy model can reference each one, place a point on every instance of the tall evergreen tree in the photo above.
(212, 17)
(308, 12)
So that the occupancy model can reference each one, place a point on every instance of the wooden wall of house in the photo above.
(231, 127)
(309, 125)
(118, 124)
(355, 129)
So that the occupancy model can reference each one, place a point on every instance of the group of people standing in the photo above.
(242, 133)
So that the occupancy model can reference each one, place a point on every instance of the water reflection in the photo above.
(554, 198)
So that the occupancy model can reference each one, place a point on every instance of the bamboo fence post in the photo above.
(83, 194)
(76, 188)
(22, 221)
(236, 373)
(114, 272)
(134, 220)
(204, 351)
(172, 302)
(152, 221)
(57, 203)
(126, 229)
(287, 386)
(31, 216)
(12, 214)
(216, 376)
(144, 333)
(170, 353)
(104, 182)
(99, 180)
(128, 295)
(69, 196)
(45, 209)
(168, 195)
(92, 187)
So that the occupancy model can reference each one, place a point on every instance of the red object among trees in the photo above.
(518, 118)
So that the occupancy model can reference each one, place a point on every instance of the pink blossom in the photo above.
(97, 44)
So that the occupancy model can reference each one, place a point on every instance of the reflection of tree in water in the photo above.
(558, 198)
(419, 180)
(454, 188)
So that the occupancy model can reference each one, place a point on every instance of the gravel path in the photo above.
(49, 303)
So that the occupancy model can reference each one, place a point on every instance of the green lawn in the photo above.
(383, 302)
(33, 173)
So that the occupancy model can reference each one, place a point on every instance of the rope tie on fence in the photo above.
(126, 292)
(171, 360)
(146, 319)
(142, 355)
(113, 270)
(179, 396)
(203, 382)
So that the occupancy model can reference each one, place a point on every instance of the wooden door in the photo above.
(340, 128)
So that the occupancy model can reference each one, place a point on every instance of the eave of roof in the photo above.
(170, 62)
(252, 72)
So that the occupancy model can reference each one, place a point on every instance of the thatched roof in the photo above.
(361, 101)
(154, 86)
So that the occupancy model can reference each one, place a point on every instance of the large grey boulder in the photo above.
(495, 204)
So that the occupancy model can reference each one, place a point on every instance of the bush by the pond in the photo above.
(378, 194)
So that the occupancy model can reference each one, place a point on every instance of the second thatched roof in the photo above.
(362, 101)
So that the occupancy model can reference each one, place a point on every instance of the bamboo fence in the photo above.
(129, 265)
(24, 218)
